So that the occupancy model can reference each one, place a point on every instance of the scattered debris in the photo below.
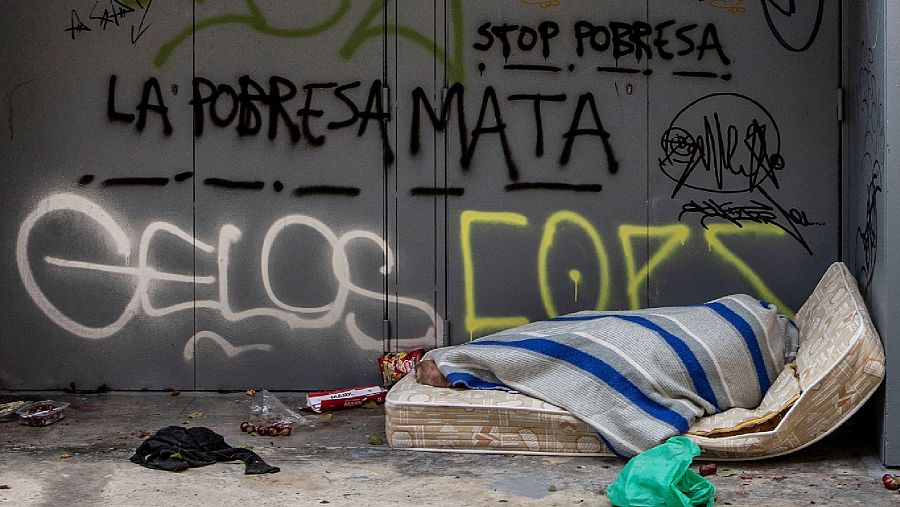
(7, 409)
(891, 482)
(661, 476)
(175, 449)
(726, 472)
(395, 365)
(324, 401)
(4, 486)
(375, 440)
(271, 418)
(708, 469)
(65, 455)
(369, 404)
(174, 392)
(42, 413)
(267, 430)
(250, 392)
(195, 415)
(552, 488)
(326, 416)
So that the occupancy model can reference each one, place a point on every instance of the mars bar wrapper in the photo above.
(324, 401)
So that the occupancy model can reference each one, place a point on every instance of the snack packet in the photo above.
(395, 365)
(344, 398)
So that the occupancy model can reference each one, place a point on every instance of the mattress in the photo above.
(461, 420)
(839, 366)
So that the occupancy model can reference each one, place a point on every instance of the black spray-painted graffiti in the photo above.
(243, 107)
(115, 14)
(489, 100)
(779, 15)
(151, 86)
(636, 39)
(277, 186)
(224, 105)
(729, 144)
(867, 235)
(632, 42)
(783, 17)
(871, 116)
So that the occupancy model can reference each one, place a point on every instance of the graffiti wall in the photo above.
(871, 243)
(866, 147)
(233, 193)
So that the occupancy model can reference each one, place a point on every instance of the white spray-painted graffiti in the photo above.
(295, 317)
(226, 346)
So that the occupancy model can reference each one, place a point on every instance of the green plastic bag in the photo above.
(661, 477)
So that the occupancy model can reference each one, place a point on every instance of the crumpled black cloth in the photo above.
(196, 447)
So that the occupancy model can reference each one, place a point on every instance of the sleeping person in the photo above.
(637, 377)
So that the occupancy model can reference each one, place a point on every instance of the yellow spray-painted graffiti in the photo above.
(474, 323)
(575, 276)
(673, 238)
(676, 234)
(547, 238)
(712, 233)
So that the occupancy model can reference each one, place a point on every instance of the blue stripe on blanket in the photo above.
(749, 338)
(694, 368)
(473, 382)
(599, 369)
(690, 361)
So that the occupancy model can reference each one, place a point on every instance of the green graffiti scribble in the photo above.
(456, 68)
(255, 20)
(361, 33)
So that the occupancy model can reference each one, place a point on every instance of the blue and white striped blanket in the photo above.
(638, 377)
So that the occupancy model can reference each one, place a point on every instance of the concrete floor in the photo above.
(83, 460)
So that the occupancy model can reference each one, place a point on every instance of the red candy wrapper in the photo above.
(324, 401)
(395, 365)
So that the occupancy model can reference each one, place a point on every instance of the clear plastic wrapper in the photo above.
(42, 413)
(270, 417)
